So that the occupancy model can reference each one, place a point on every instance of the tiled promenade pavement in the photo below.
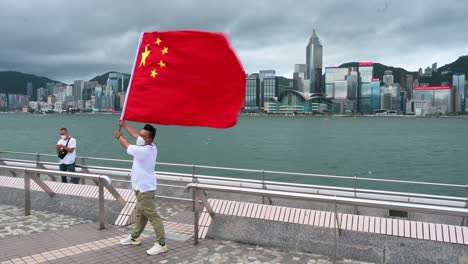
(73, 240)
(14, 223)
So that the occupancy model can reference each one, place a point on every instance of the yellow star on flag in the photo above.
(165, 50)
(154, 73)
(144, 55)
(158, 41)
(162, 64)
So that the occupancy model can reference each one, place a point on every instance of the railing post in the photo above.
(356, 211)
(193, 193)
(101, 205)
(195, 216)
(336, 232)
(465, 219)
(27, 193)
(263, 185)
(38, 159)
(83, 163)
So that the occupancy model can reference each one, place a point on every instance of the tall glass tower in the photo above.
(459, 89)
(314, 63)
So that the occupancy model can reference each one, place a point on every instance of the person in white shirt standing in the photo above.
(67, 144)
(144, 184)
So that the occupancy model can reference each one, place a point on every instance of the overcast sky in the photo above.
(68, 40)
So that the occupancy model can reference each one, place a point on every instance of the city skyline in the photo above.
(52, 39)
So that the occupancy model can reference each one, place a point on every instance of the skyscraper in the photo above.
(98, 98)
(459, 89)
(30, 91)
(41, 95)
(263, 91)
(390, 97)
(375, 95)
(366, 71)
(118, 81)
(252, 93)
(78, 87)
(336, 86)
(314, 63)
(340, 87)
(52, 88)
(299, 77)
(409, 86)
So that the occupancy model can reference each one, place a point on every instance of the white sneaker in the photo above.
(156, 249)
(130, 241)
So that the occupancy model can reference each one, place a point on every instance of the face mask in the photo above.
(63, 137)
(140, 141)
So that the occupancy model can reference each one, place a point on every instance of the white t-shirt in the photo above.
(70, 157)
(144, 161)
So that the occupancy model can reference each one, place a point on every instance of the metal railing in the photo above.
(29, 174)
(178, 180)
(262, 173)
(122, 175)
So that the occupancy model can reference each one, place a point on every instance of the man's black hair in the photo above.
(64, 129)
(151, 130)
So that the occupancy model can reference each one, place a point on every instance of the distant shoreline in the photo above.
(351, 116)
(267, 115)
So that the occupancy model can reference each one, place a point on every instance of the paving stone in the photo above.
(59, 238)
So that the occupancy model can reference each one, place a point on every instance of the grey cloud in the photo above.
(69, 40)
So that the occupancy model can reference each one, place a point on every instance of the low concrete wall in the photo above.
(86, 208)
(350, 245)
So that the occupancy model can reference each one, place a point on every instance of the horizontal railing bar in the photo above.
(159, 184)
(20, 160)
(364, 179)
(18, 153)
(364, 191)
(267, 171)
(105, 159)
(174, 198)
(257, 171)
(103, 168)
(59, 173)
(350, 190)
(125, 181)
(273, 183)
(177, 164)
(339, 200)
(171, 185)
(48, 155)
(415, 182)
(227, 168)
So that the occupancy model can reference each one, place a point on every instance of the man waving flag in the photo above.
(186, 78)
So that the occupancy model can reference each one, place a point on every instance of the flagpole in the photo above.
(131, 77)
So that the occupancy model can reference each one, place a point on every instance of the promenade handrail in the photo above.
(107, 180)
(186, 177)
(352, 178)
(103, 181)
(421, 198)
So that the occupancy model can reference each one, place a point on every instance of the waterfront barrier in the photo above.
(102, 181)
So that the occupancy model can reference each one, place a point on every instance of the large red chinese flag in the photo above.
(186, 78)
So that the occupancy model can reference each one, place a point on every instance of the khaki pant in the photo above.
(146, 210)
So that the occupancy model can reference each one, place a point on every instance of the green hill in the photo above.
(16, 82)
